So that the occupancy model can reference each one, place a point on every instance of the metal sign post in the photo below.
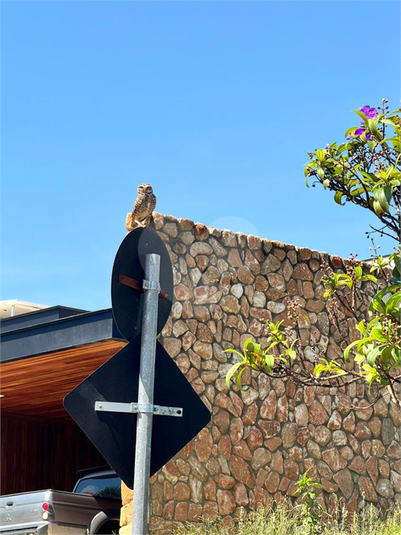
(145, 395)
(144, 407)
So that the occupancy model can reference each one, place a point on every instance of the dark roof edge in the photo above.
(74, 311)
(59, 334)
(85, 314)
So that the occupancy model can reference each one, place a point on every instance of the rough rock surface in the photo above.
(259, 441)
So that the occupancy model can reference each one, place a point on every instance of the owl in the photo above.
(143, 207)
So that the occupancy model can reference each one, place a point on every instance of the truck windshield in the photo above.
(101, 486)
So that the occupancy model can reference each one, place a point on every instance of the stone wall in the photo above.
(261, 439)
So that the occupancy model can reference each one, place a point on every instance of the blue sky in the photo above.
(213, 103)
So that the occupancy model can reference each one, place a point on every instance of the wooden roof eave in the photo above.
(41, 364)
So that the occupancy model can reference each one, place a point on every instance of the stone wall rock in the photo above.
(260, 439)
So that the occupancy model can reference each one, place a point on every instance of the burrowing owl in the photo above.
(143, 207)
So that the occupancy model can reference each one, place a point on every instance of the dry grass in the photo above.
(280, 521)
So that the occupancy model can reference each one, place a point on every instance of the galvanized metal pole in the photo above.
(145, 396)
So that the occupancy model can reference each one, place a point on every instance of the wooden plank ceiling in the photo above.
(37, 385)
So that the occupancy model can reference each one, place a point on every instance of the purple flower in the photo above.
(359, 132)
(370, 113)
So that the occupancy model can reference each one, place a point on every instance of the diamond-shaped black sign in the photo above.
(114, 434)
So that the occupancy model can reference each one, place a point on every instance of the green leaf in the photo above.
(393, 304)
(269, 362)
(350, 131)
(348, 283)
(359, 358)
(350, 346)
(357, 191)
(396, 354)
(273, 344)
(233, 351)
(338, 169)
(338, 196)
(373, 322)
(347, 350)
(370, 177)
(372, 126)
(231, 372)
(292, 354)
(361, 115)
(377, 334)
(397, 266)
(388, 121)
(385, 355)
(238, 378)
(378, 208)
(358, 272)
(341, 148)
(318, 369)
(371, 374)
(388, 289)
(248, 344)
(377, 305)
(361, 327)
(369, 278)
(275, 327)
(320, 154)
(309, 167)
(383, 197)
(371, 145)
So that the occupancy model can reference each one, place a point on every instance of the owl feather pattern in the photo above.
(143, 207)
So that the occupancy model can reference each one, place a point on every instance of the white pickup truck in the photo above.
(93, 507)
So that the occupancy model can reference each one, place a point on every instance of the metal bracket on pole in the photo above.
(134, 408)
(136, 285)
(151, 286)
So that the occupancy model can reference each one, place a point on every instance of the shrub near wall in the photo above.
(259, 441)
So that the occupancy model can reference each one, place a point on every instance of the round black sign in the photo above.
(127, 297)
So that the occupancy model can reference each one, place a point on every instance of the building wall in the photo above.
(39, 453)
(261, 439)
